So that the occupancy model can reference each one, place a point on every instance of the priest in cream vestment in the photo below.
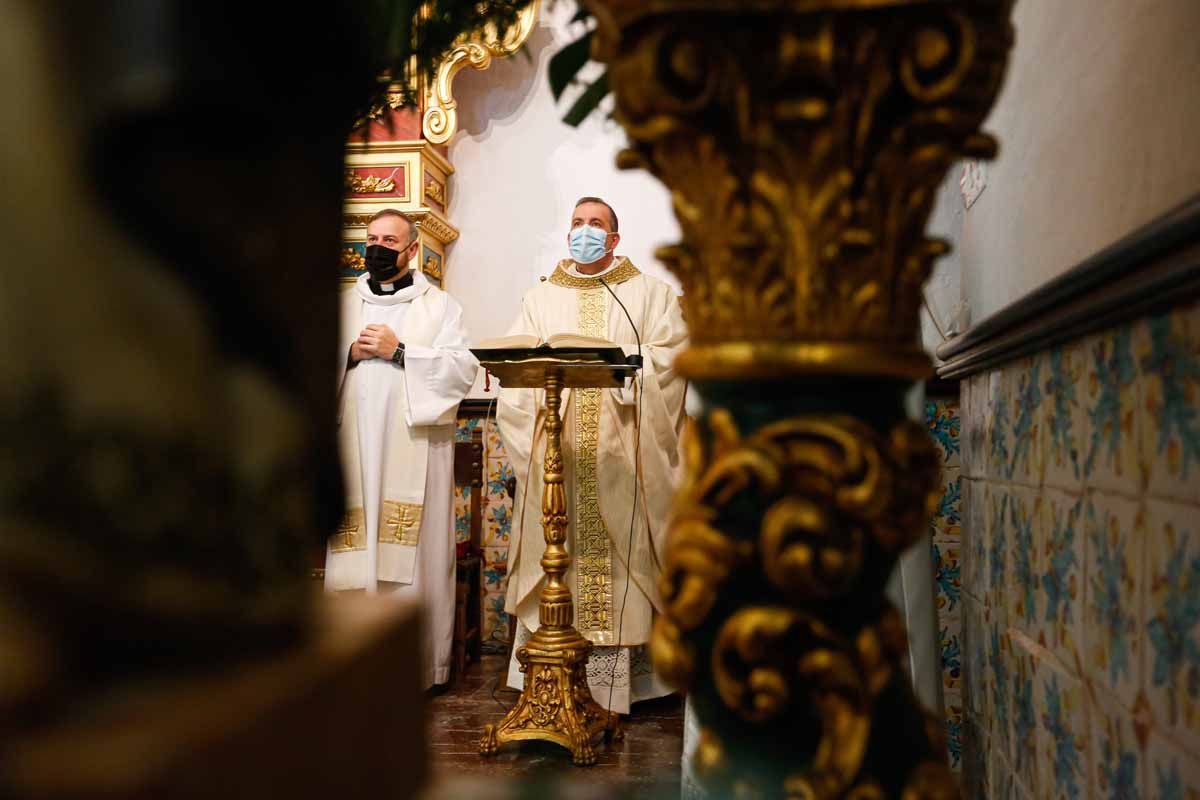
(614, 585)
(403, 368)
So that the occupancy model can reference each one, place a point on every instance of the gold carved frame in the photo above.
(439, 122)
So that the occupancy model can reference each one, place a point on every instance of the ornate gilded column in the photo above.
(803, 141)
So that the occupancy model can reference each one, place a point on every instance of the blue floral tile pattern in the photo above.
(1023, 512)
(1062, 746)
(942, 419)
(1063, 456)
(1172, 619)
(1061, 579)
(1169, 360)
(1110, 458)
(947, 578)
(462, 513)
(1078, 587)
(1112, 630)
(1026, 463)
(465, 427)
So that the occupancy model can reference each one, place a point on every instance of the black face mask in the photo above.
(381, 262)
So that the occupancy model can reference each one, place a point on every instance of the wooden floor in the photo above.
(644, 765)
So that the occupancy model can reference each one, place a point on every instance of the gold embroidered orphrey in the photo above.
(593, 553)
(618, 274)
(401, 523)
(351, 534)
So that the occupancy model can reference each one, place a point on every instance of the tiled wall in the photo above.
(942, 417)
(1081, 568)
(497, 526)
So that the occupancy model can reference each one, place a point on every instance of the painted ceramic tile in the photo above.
(1062, 735)
(495, 569)
(495, 445)
(497, 522)
(1064, 418)
(1024, 565)
(947, 519)
(972, 433)
(942, 419)
(1110, 459)
(1001, 779)
(1172, 621)
(464, 427)
(999, 680)
(462, 513)
(974, 635)
(947, 579)
(1060, 578)
(1171, 774)
(1026, 461)
(975, 643)
(1113, 636)
(974, 537)
(950, 645)
(997, 424)
(954, 729)
(975, 759)
(1024, 716)
(1118, 762)
(498, 474)
(495, 621)
(999, 547)
(1168, 350)
(973, 426)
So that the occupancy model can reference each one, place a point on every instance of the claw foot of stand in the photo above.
(487, 744)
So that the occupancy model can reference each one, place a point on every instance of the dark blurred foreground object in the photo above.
(171, 188)
(339, 717)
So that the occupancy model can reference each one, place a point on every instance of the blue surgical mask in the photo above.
(587, 244)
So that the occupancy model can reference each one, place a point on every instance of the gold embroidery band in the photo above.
(351, 534)
(623, 272)
(401, 523)
(593, 558)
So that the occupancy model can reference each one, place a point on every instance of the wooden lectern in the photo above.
(556, 704)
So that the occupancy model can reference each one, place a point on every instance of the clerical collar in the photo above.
(390, 288)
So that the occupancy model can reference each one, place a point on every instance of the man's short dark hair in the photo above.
(395, 212)
(612, 215)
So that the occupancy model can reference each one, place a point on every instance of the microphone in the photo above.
(634, 361)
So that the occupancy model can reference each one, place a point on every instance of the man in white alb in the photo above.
(614, 582)
(403, 368)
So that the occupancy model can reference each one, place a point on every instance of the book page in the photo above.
(520, 341)
(579, 340)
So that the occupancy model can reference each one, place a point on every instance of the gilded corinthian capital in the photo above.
(803, 142)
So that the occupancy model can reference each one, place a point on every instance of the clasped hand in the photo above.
(375, 341)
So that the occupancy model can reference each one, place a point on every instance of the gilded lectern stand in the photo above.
(556, 704)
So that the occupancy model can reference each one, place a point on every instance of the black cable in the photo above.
(638, 385)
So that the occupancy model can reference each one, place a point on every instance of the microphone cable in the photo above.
(638, 385)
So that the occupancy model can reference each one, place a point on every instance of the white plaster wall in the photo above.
(519, 171)
(943, 291)
(1099, 129)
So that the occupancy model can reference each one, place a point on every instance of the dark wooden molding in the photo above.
(475, 407)
(941, 388)
(1152, 269)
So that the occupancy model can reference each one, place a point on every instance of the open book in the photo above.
(559, 341)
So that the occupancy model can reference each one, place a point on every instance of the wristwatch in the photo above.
(398, 356)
